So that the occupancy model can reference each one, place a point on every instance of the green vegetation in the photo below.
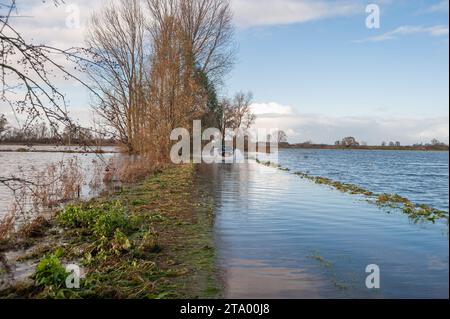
(151, 240)
(99, 219)
(50, 272)
(417, 212)
(330, 271)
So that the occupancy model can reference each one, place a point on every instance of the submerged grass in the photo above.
(151, 240)
(416, 212)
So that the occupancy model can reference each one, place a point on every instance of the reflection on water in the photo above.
(279, 236)
(28, 163)
(57, 148)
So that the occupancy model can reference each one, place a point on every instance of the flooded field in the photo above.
(420, 176)
(279, 236)
(28, 164)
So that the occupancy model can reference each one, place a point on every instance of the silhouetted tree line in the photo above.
(42, 133)
(352, 143)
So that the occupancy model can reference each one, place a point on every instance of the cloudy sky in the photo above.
(314, 68)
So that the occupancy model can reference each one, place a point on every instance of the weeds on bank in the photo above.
(50, 272)
(414, 211)
(150, 240)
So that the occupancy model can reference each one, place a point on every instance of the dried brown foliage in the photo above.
(152, 61)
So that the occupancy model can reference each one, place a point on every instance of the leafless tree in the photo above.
(29, 72)
(281, 137)
(235, 114)
(207, 29)
(349, 141)
(242, 114)
(117, 41)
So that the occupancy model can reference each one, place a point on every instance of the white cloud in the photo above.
(435, 31)
(53, 25)
(439, 7)
(250, 13)
(321, 128)
(272, 109)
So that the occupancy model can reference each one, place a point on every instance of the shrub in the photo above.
(50, 272)
(101, 219)
(108, 222)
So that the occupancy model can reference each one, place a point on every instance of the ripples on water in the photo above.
(423, 177)
(279, 236)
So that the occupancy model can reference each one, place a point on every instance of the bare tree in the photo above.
(235, 114)
(28, 72)
(242, 114)
(207, 31)
(349, 141)
(117, 39)
(281, 137)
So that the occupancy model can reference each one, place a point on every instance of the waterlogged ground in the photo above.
(26, 164)
(279, 236)
(422, 177)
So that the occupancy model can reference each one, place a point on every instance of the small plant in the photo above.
(120, 242)
(150, 242)
(50, 272)
(111, 220)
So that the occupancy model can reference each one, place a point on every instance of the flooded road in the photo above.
(279, 236)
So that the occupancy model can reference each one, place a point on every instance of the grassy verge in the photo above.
(150, 240)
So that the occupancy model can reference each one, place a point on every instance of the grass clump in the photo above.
(415, 211)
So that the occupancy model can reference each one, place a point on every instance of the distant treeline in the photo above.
(416, 147)
(41, 133)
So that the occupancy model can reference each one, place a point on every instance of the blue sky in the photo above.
(332, 66)
(314, 68)
(319, 66)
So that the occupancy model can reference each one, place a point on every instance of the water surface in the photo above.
(27, 164)
(420, 176)
(279, 236)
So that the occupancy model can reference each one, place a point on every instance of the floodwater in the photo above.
(279, 236)
(420, 176)
(17, 163)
